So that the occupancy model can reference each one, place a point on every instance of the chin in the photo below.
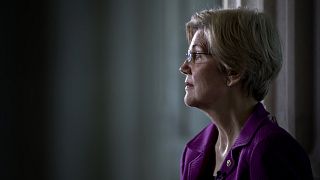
(189, 101)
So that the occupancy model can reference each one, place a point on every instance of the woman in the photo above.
(233, 56)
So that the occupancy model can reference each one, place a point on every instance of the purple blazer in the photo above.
(263, 150)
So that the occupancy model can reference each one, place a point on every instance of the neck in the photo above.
(229, 119)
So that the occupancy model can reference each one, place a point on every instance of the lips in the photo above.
(189, 84)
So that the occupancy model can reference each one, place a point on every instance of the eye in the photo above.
(196, 56)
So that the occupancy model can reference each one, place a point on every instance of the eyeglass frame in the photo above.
(191, 56)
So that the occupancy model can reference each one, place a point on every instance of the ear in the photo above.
(233, 78)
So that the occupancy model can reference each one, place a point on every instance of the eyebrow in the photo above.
(197, 45)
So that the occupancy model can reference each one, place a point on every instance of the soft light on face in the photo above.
(205, 84)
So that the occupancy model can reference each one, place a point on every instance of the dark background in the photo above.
(24, 83)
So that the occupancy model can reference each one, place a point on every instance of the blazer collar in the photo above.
(252, 124)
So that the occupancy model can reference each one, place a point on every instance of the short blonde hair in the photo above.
(243, 41)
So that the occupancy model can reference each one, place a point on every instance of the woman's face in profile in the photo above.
(205, 84)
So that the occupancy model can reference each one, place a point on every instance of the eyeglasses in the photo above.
(194, 57)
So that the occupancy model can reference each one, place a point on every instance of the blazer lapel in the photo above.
(197, 154)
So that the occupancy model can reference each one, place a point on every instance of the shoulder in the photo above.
(271, 138)
(270, 132)
(275, 154)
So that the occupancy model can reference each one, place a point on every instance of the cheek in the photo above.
(209, 82)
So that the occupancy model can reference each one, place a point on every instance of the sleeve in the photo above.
(279, 157)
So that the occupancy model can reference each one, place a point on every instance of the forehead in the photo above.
(198, 41)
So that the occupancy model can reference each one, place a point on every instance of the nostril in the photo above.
(184, 69)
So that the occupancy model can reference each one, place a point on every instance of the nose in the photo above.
(184, 68)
